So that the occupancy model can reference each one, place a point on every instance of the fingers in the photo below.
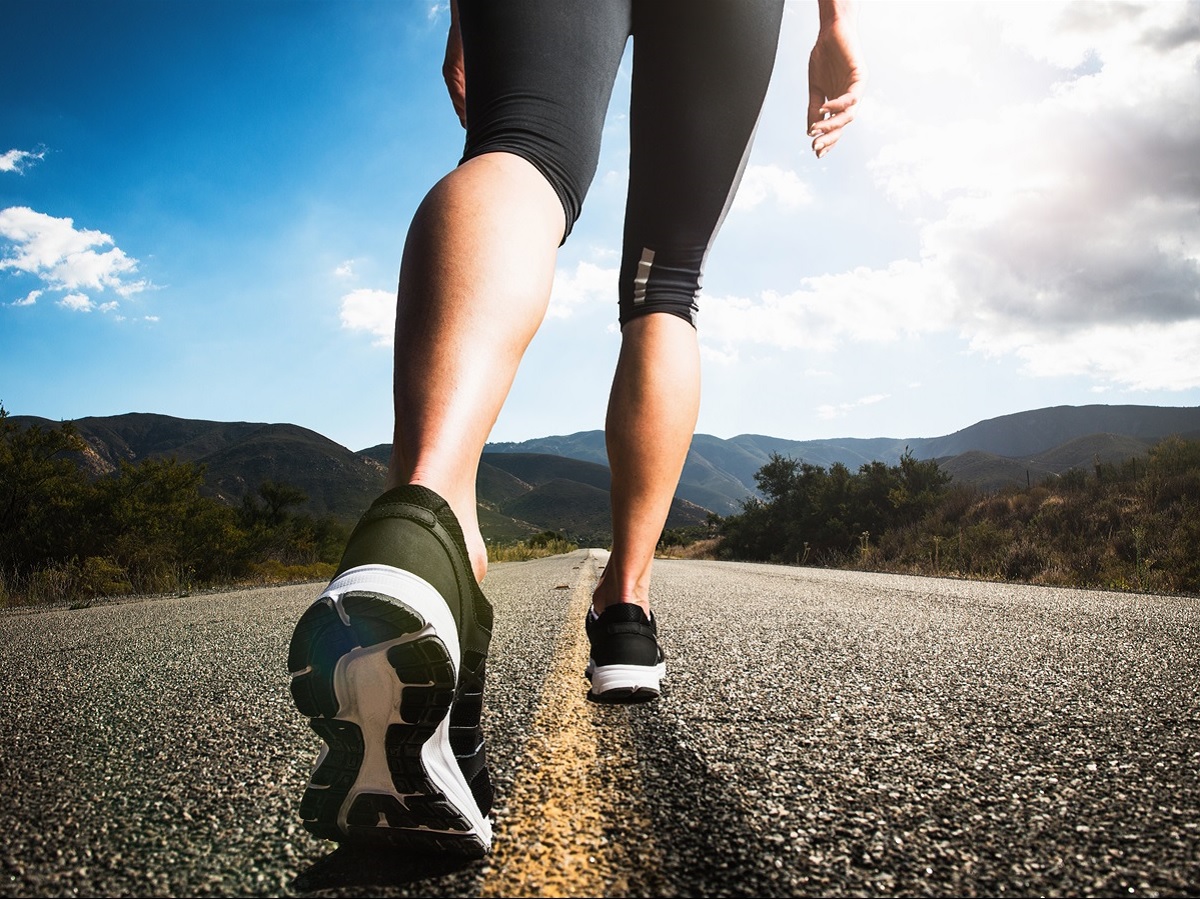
(828, 119)
(816, 100)
(840, 104)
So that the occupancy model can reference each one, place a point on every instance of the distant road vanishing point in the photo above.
(822, 732)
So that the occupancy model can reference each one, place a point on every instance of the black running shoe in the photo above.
(388, 663)
(626, 664)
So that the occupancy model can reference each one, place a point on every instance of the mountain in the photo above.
(1008, 450)
(1039, 430)
(572, 493)
(990, 471)
(561, 483)
(520, 494)
(237, 456)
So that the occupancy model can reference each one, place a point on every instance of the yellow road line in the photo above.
(577, 788)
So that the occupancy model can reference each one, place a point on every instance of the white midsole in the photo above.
(369, 692)
(412, 590)
(626, 678)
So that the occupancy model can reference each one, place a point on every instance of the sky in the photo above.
(203, 207)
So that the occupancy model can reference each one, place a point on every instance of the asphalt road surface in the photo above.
(821, 733)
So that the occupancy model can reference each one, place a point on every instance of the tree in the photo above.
(41, 492)
(278, 501)
(152, 520)
(806, 509)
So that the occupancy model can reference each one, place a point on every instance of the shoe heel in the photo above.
(377, 680)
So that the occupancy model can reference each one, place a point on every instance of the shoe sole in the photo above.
(374, 664)
(625, 684)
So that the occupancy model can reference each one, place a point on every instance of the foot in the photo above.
(388, 664)
(626, 664)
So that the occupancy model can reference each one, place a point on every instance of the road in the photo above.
(822, 733)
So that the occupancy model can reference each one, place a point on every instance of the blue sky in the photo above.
(203, 205)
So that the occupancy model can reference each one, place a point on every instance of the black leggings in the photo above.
(539, 76)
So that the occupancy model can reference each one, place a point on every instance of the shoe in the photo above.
(389, 665)
(626, 664)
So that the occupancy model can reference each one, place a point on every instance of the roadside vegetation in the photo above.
(547, 543)
(147, 528)
(1133, 526)
(143, 529)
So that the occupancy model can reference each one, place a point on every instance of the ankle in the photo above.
(618, 585)
(603, 598)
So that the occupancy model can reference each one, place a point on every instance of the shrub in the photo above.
(101, 577)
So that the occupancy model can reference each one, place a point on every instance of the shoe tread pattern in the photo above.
(384, 530)
(418, 813)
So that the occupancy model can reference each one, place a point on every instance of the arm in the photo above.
(836, 75)
(452, 67)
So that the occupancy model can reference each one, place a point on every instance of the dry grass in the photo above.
(522, 551)
(702, 549)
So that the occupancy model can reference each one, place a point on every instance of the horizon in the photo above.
(875, 437)
(202, 209)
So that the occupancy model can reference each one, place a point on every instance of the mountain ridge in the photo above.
(721, 470)
(544, 477)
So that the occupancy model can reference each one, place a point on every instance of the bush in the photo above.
(100, 577)
(810, 513)
(1131, 527)
(146, 528)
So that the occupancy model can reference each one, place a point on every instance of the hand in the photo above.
(453, 70)
(836, 80)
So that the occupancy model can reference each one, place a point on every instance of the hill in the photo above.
(1036, 431)
(719, 473)
(561, 483)
(571, 493)
(519, 494)
(237, 456)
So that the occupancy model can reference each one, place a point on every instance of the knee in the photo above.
(660, 281)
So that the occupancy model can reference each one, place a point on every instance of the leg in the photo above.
(474, 285)
(700, 73)
(651, 416)
(389, 663)
(479, 260)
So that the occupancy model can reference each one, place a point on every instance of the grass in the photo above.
(1136, 536)
(526, 550)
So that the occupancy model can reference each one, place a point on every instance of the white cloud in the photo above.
(1145, 356)
(840, 410)
(1053, 188)
(871, 305)
(770, 182)
(77, 303)
(725, 356)
(372, 311)
(108, 307)
(588, 284)
(127, 289)
(62, 256)
(345, 269)
(28, 300)
(18, 160)
(1069, 227)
